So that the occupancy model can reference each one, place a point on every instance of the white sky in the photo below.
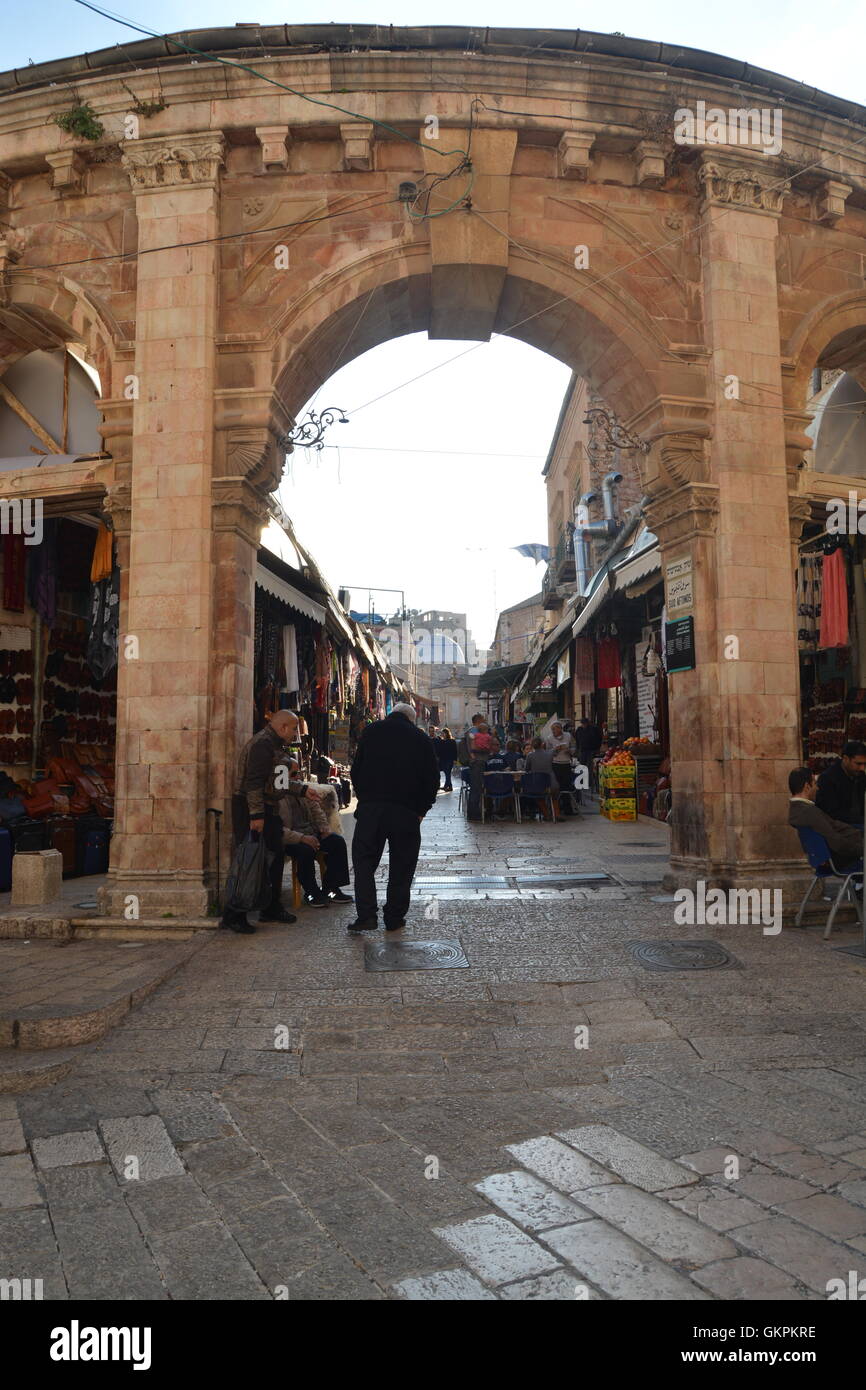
(439, 524)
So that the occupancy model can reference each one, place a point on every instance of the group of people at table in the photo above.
(552, 758)
(831, 803)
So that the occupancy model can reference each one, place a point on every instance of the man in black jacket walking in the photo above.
(396, 779)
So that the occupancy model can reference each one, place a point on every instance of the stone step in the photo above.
(99, 1007)
(23, 1070)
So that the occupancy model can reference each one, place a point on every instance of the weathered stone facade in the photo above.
(217, 267)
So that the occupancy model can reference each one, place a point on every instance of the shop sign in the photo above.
(680, 645)
(563, 669)
(546, 684)
(338, 741)
(679, 590)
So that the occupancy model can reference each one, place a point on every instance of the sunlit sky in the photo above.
(399, 505)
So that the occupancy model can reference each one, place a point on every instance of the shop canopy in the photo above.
(288, 594)
(500, 678)
(554, 645)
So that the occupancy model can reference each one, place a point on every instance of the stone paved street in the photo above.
(553, 1122)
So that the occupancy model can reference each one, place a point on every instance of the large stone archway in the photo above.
(248, 240)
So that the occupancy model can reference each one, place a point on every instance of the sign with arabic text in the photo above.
(679, 589)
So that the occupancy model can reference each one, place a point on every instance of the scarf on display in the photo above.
(42, 575)
(104, 625)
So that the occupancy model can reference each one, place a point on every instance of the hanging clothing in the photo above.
(14, 573)
(834, 602)
(609, 666)
(42, 575)
(101, 565)
(104, 625)
(808, 602)
(290, 656)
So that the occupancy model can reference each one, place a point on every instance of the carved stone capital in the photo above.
(742, 186)
(681, 514)
(250, 452)
(650, 164)
(799, 512)
(797, 443)
(357, 137)
(186, 161)
(118, 503)
(67, 172)
(239, 507)
(274, 140)
(682, 459)
(572, 154)
(832, 197)
(10, 254)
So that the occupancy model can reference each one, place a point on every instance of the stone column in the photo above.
(163, 688)
(247, 467)
(734, 720)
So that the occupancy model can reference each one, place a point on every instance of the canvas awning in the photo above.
(280, 589)
(500, 678)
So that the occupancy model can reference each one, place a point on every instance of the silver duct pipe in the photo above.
(609, 482)
(581, 549)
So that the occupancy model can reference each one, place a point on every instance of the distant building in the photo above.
(516, 627)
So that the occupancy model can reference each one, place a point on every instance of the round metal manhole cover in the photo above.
(415, 955)
(681, 955)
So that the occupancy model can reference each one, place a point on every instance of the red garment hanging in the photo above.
(609, 668)
(834, 602)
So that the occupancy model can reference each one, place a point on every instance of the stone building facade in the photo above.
(213, 261)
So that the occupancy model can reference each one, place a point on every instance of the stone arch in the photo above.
(41, 309)
(593, 326)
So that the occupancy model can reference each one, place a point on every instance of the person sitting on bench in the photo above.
(306, 834)
(845, 842)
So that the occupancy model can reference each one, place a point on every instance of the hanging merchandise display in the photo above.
(609, 664)
(104, 625)
(808, 602)
(834, 601)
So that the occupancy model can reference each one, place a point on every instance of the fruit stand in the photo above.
(618, 785)
(648, 757)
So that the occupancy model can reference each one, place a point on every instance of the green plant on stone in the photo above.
(80, 120)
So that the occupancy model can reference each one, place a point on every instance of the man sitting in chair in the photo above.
(306, 834)
(845, 842)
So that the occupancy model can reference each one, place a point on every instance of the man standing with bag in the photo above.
(396, 779)
(254, 809)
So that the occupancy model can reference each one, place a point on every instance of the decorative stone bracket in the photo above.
(650, 164)
(832, 197)
(275, 141)
(357, 137)
(68, 171)
(10, 254)
(572, 155)
(681, 514)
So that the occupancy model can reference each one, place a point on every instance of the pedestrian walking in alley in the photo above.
(446, 752)
(307, 834)
(255, 810)
(562, 746)
(396, 779)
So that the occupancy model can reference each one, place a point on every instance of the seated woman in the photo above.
(307, 832)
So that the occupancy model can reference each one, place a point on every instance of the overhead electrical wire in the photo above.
(244, 67)
(209, 241)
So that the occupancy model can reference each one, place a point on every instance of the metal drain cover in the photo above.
(462, 881)
(554, 881)
(851, 951)
(415, 955)
(681, 955)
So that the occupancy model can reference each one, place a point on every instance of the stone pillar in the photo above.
(163, 691)
(247, 467)
(734, 720)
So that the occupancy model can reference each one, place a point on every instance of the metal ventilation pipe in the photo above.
(581, 549)
(609, 482)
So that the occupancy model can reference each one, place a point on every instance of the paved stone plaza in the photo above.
(277, 1121)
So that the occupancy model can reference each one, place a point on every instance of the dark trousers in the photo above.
(446, 769)
(336, 874)
(564, 774)
(272, 834)
(476, 788)
(378, 823)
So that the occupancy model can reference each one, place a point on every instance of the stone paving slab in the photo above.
(438, 1104)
